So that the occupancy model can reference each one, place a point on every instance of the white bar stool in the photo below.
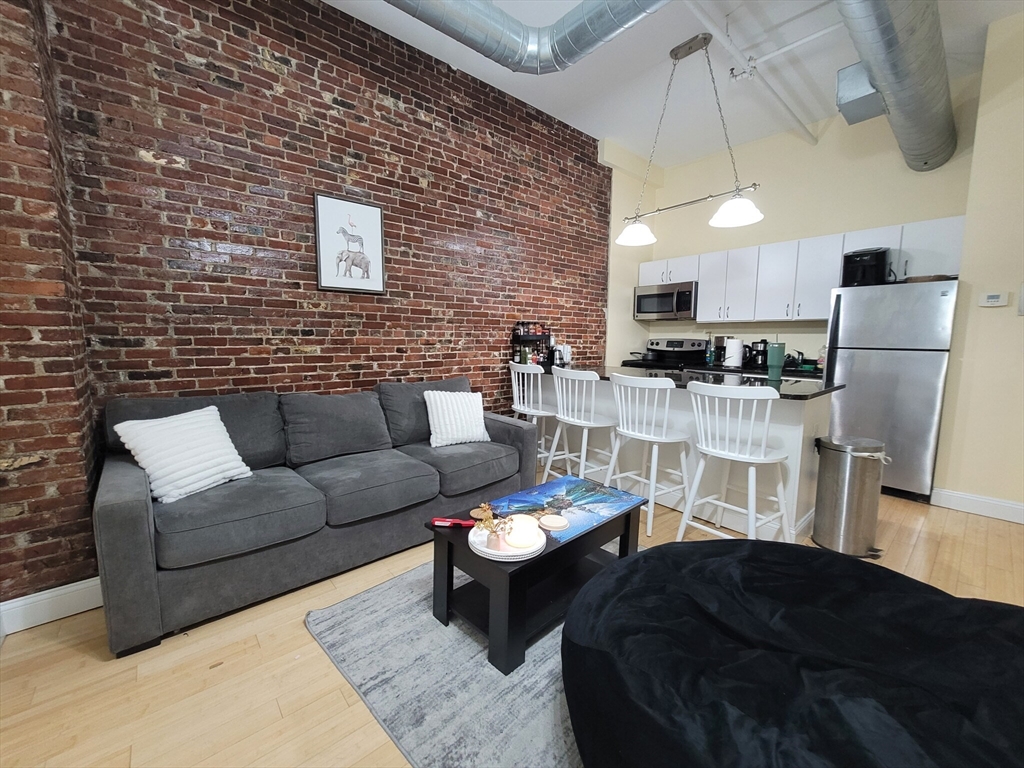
(643, 415)
(727, 429)
(576, 396)
(527, 401)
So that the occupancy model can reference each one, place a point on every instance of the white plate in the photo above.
(478, 543)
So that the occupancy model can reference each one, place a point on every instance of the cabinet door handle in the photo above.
(798, 308)
(726, 313)
(670, 275)
(663, 277)
(719, 313)
(787, 310)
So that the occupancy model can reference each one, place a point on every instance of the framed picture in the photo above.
(349, 245)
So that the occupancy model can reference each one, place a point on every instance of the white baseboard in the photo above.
(49, 605)
(1000, 509)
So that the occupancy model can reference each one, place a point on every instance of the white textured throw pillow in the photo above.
(455, 417)
(183, 454)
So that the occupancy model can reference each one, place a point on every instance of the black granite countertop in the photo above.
(788, 388)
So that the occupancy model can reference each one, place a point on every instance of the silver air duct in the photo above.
(487, 29)
(900, 45)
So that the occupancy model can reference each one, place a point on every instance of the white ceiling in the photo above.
(617, 91)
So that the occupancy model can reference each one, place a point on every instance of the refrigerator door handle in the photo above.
(833, 337)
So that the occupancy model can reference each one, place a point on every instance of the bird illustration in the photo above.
(350, 222)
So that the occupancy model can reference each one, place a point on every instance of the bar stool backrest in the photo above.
(642, 405)
(732, 419)
(576, 395)
(526, 392)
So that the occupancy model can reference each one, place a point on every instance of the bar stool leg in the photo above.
(551, 453)
(723, 492)
(614, 461)
(691, 497)
(682, 468)
(787, 524)
(752, 502)
(583, 453)
(565, 449)
(652, 489)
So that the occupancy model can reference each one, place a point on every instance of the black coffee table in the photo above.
(514, 602)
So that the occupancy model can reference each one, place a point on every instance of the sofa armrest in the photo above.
(122, 520)
(521, 435)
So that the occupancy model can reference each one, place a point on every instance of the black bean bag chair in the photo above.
(736, 653)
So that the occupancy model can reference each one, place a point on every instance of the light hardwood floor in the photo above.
(254, 688)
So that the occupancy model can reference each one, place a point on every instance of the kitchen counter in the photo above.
(788, 388)
(800, 415)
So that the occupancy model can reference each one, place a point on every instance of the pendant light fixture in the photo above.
(738, 211)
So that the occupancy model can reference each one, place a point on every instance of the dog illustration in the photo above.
(351, 239)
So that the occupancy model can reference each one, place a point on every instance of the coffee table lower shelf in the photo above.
(546, 602)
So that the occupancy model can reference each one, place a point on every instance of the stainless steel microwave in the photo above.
(669, 301)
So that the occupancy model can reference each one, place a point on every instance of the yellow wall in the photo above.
(981, 445)
(854, 178)
(624, 333)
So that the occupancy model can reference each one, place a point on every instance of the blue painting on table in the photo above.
(583, 503)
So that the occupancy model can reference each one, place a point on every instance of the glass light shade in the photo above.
(737, 211)
(636, 233)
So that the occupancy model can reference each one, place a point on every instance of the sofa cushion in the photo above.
(252, 419)
(363, 485)
(406, 410)
(467, 466)
(272, 506)
(321, 426)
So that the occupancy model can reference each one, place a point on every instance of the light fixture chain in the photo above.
(721, 115)
(668, 89)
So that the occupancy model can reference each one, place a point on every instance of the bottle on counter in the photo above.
(709, 353)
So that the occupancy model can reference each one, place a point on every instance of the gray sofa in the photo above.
(338, 481)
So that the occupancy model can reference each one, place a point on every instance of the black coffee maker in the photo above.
(759, 354)
(865, 267)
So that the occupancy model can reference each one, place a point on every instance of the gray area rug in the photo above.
(431, 687)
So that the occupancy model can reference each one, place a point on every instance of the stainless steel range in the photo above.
(669, 354)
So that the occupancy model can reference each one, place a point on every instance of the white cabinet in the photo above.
(932, 247)
(711, 281)
(727, 285)
(653, 272)
(883, 237)
(741, 284)
(819, 270)
(684, 269)
(776, 276)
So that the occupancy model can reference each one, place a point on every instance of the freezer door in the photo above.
(904, 316)
(895, 397)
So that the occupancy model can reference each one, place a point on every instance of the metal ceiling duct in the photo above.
(900, 45)
(482, 26)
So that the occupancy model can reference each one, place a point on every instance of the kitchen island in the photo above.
(799, 416)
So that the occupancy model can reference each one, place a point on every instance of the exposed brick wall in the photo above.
(199, 132)
(45, 410)
(195, 134)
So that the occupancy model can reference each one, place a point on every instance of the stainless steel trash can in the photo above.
(849, 487)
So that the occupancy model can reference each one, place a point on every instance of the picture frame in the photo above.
(349, 245)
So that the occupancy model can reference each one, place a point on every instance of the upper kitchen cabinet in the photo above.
(684, 269)
(819, 270)
(932, 247)
(654, 272)
(727, 285)
(711, 280)
(741, 284)
(883, 237)
(776, 276)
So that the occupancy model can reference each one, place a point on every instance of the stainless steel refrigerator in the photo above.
(889, 344)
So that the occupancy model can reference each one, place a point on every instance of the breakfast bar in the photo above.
(800, 415)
